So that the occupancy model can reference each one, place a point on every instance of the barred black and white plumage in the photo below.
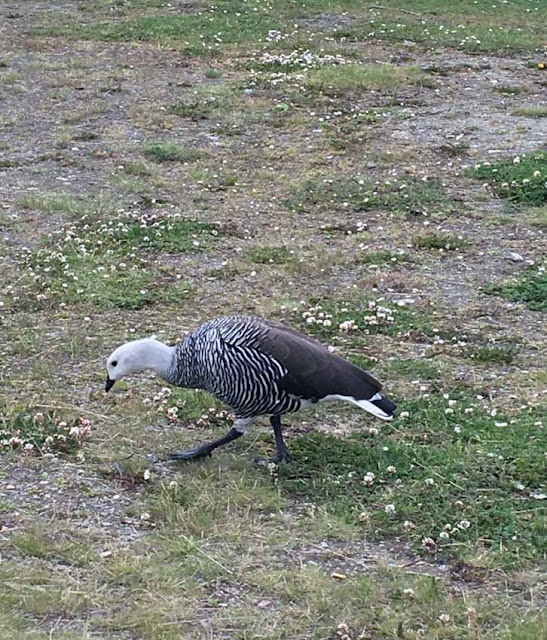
(256, 367)
(223, 357)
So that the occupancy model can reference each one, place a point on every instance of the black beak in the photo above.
(109, 384)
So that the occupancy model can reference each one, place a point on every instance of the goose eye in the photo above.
(114, 363)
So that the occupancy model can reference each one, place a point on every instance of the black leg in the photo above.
(282, 452)
(206, 449)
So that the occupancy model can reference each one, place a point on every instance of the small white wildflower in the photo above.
(444, 618)
(429, 481)
(389, 508)
(404, 414)
(429, 544)
(464, 524)
(368, 479)
(409, 526)
(391, 469)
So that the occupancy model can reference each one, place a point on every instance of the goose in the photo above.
(256, 367)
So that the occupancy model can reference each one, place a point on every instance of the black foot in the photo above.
(277, 459)
(191, 454)
(205, 449)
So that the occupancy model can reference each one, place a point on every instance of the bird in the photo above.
(255, 366)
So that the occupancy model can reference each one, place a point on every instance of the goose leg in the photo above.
(240, 427)
(282, 452)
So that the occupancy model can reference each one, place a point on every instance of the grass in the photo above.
(462, 478)
(270, 255)
(355, 318)
(529, 288)
(197, 32)
(39, 433)
(404, 198)
(520, 179)
(495, 353)
(171, 152)
(531, 112)
(308, 215)
(440, 241)
(383, 257)
(69, 203)
(359, 78)
(242, 24)
(97, 263)
(447, 27)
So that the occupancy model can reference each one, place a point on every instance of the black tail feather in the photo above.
(385, 404)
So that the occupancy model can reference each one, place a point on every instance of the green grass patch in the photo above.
(383, 257)
(108, 263)
(36, 543)
(494, 353)
(37, 432)
(440, 241)
(270, 255)
(193, 109)
(529, 288)
(413, 369)
(531, 112)
(447, 476)
(509, 89)
(198, 33)
(364, 77)
(350, 320)
(520, 179)
(401, 198)
(452, 27)
(140, 169)
(171, 152)
(66, 203)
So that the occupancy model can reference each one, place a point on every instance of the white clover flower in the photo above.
(391, 469)
(464, 524)
(429, 544)
(408, 525)
(429, 481)
(444, 535)
(368, 478)
(389, 509)
(444, 618)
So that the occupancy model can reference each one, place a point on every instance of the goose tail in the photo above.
(378, 405)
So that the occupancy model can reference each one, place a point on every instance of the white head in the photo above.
(136, 356)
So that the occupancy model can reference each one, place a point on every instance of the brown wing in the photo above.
(313, 372)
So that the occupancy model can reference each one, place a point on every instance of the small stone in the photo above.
(515, 257)
(338, 576)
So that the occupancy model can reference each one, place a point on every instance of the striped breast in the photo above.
(234, 369)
